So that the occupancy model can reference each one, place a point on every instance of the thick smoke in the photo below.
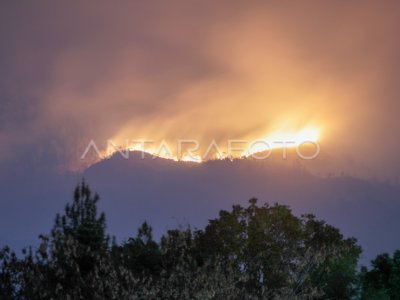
(202, 70)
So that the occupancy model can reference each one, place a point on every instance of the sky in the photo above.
(72, 72)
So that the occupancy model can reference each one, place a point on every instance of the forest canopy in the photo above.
(253, 252)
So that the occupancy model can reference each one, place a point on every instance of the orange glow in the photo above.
(274, 140)
(284, 139)
(192, 158)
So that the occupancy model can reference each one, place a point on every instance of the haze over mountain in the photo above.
(169, 194)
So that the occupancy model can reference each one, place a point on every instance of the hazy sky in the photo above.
(75, 71)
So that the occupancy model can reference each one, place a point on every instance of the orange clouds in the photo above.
(221, 70)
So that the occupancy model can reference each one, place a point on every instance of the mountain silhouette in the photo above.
(168, 194)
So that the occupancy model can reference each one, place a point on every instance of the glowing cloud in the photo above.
(226, 70)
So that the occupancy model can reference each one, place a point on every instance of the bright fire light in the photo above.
(275, 140)
(283, 139)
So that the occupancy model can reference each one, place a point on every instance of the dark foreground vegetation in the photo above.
(257, 252)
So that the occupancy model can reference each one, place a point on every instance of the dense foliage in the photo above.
(254, 252)
(382, 282)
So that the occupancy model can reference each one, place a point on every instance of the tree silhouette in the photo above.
(383, 280)
(254, 252)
